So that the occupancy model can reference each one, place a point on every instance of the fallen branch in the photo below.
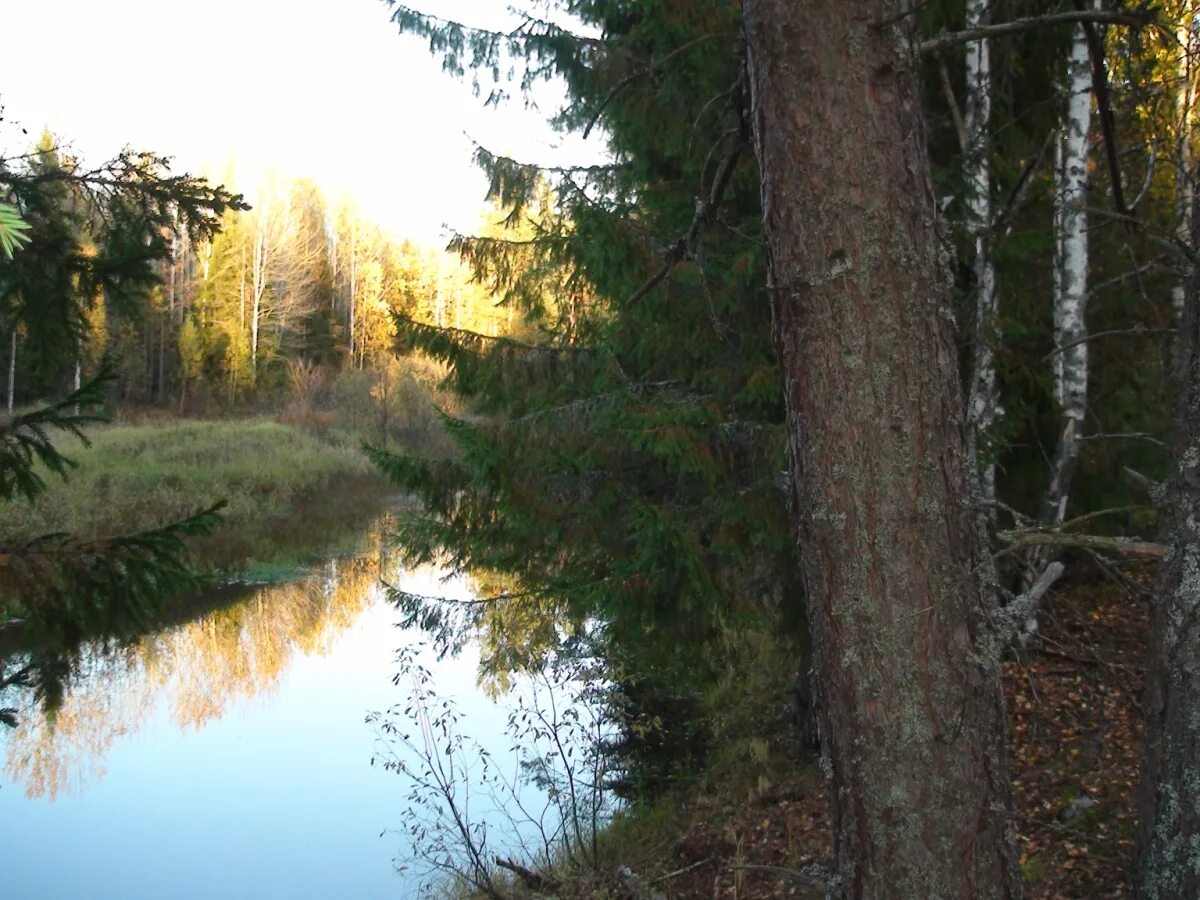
(799, 875)
(1126, 548)
(695, 865)
(1019, 615)
(529, 878)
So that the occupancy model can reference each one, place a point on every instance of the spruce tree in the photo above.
(89, 232)
(621, 466)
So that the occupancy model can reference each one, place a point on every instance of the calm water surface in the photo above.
(229, 757)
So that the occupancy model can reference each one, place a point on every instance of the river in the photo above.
(230, 756)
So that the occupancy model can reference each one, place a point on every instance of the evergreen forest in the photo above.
(815, 478)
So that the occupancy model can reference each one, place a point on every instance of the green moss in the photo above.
(1035, 869)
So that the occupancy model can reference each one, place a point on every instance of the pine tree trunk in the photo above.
(984, 401)
(912, 717)
(1071, 279)
(1169, 792)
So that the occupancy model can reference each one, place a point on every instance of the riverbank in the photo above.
(291, 497)
(755, 822)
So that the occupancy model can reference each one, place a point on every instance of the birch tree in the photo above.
(1187, 37)
(899, 601)
(983, 404)
(1070, 358)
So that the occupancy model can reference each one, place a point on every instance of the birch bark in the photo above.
(258, 289)
(1070, 279)
(984, 403)
(1187, 35)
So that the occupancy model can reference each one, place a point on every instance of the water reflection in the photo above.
(195, 671)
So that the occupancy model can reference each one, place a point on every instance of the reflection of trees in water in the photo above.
(196, 670)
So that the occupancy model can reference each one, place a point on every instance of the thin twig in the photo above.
(695, 865)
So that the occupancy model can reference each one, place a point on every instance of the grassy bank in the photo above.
(290, 496)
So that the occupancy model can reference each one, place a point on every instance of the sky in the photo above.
(322, 89)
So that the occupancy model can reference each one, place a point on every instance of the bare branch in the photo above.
(1016, 26)
(1135, 330)
(706, 212)
(529, 878)
(956, 117)
(1123, 547)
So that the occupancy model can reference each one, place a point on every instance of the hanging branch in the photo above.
(1016, 26)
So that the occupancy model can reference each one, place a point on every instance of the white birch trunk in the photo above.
(259, 288)
(984, 405)
(78, 381)
(1185, 100)
(1071, 279)
(353, 287)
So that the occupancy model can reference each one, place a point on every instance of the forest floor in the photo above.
(1073, 703)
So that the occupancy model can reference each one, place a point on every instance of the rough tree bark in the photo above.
(1169, 791)
(897, 582)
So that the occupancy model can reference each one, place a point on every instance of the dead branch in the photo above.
(1016, 616)
(706, 213)
(1135, 330)
(1125, 548)
(530, 878)
(799, 875)
(685, 869)
(1016, 26)
(1104, 107)
(1137, 479)
(960, 129)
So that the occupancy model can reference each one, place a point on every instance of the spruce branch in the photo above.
(25, 440)
(108, 586)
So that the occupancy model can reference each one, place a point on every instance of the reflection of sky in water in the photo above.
(268, 795)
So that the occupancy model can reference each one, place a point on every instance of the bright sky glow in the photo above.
(323, 89)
